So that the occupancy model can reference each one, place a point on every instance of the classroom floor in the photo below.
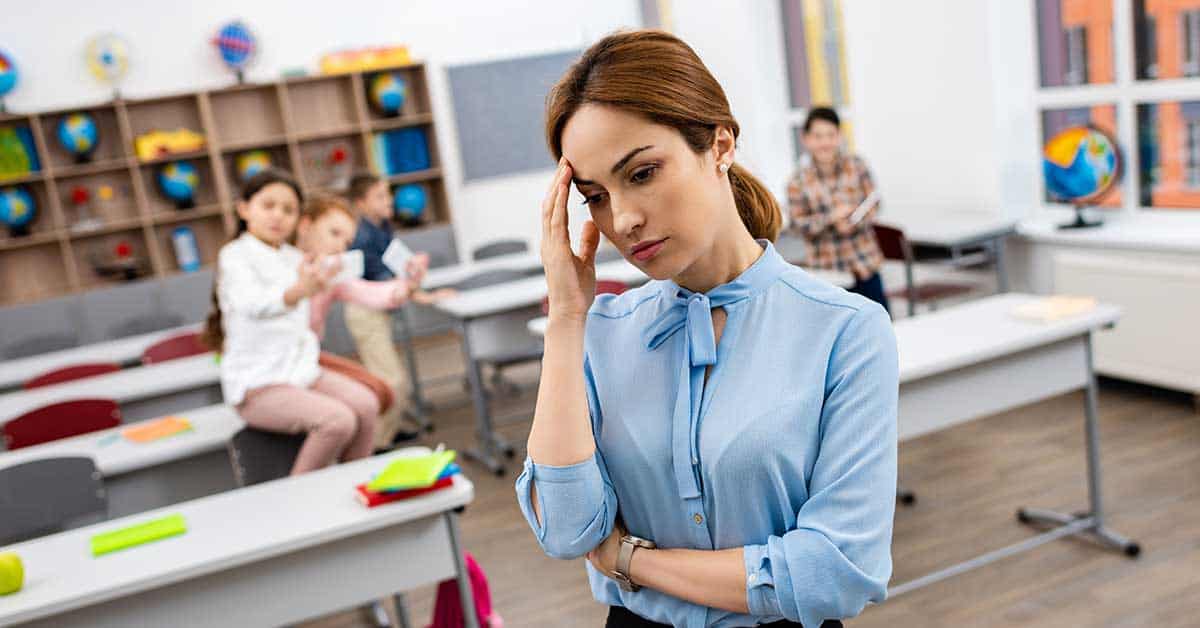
(969, 479)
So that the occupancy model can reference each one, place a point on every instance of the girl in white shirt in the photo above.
(261, 326)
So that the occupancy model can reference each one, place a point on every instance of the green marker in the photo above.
(138, 534)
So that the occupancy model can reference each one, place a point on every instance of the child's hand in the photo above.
(429, 298)
(315, 274)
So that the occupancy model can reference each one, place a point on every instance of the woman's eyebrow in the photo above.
(617, 166)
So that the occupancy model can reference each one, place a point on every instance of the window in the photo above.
(1166, 38)
(1075, 41)
(1076, 73)
(1193, 153)
(1145, 92)
(816, 61)
(1190, 42)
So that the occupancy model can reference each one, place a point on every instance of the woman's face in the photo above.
(271, 214)
(649, 193)
(330, 234)
(822, 140)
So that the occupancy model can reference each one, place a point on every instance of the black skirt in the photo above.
(621, 617)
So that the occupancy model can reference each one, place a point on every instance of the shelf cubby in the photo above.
(110, 151)
(322, 105)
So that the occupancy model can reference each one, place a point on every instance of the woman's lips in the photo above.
(644, 252)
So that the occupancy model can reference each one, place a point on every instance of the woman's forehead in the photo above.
(598, 137)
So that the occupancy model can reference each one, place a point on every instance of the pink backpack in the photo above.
(447, 612)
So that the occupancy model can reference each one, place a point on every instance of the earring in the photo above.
(723, 168)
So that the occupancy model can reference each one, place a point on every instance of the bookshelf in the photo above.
(298, 122)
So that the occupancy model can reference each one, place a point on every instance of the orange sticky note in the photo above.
(159, 428)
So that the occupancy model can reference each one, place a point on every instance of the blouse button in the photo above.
(698, 519)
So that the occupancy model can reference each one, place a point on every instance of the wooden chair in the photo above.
(61, 420)
(896, 247)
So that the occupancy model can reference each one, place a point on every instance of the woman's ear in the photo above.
(724, 146)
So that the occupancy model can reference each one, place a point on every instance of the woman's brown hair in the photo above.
(657, 75)
(213, 335)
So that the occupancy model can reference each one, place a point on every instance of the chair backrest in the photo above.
(35, 345)
(260, 456)
(40, 327)
(61, 420)
(892, 243)
(69, 373)
(437, 242)
(490, 278)
(43, 496)
(175, 347)
(188, 296)
(498, 248)
(144, 324)
(108, 311)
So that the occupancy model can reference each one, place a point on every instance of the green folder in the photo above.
(412, 472)
(138, 534)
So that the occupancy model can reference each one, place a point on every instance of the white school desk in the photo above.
(143, 392)
(272, 554)
(955, 231)
(445, 276)
(976, 359)
(142, 476)
(128, 350)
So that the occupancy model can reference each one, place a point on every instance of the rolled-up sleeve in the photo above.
(577, 502)
(241, 289)
(837, 557)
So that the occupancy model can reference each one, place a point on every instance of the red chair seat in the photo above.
(69, 373)
(933, 291)
(61, 420)
(175, 347)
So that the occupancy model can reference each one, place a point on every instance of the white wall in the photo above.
(929, 112)
(171, 53)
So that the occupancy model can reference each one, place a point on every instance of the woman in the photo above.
(721, 442)
(825, 196)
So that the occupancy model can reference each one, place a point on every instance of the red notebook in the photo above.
(370, 498)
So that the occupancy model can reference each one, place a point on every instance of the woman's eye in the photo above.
(593, 199)
(643, 175)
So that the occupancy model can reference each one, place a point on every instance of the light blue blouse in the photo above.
(788, 451)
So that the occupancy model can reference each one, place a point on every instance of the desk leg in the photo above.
(489, 446)
(998, 258)
(1094, 518)
(465, 595)
(420, 408)
(1085, 524)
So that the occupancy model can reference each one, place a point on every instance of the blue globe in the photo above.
(77, 133)
(178, 181)
(8, 74)
(17, 209)
(410, 203)
(388, 91)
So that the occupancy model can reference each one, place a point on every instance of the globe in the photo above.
(77, 133)
(388, 91)
(8, 74)
(177, 181)
(17, 209)
(410, 203)
(251, 163)
(236, 44)
(108, 58)
(1081, 164)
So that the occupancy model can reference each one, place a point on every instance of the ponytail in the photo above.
(213, 335)
(756, 205)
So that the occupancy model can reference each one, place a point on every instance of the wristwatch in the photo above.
(624, 556)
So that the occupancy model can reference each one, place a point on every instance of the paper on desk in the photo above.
(148, 431)
(396, 257)
(1054, 308)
